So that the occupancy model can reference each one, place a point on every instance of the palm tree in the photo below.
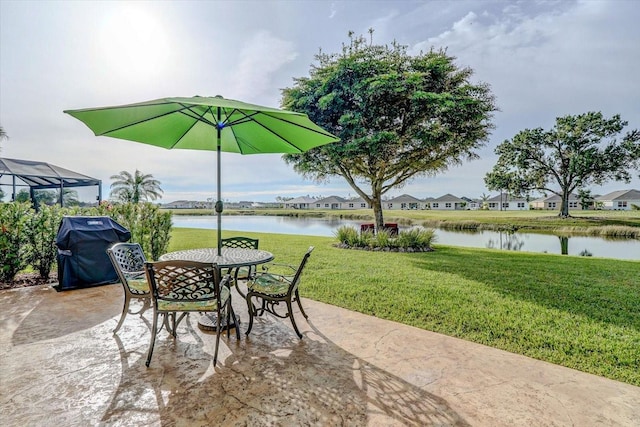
(3, 134)
(484, 205)
(134, 188)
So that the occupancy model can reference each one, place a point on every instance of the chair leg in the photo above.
(235, 322)
(300, 305)
(252, 310)
(153, 337)
(293, 320)
(218, 327)
(125, 310)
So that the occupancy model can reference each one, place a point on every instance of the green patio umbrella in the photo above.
(207, 123)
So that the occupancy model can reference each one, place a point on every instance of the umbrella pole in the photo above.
(219, 206)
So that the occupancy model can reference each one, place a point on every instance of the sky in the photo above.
(542, 59)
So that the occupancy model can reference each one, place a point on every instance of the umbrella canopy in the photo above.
(207, 123)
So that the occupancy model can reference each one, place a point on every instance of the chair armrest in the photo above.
(266, 267)
(132, 275)
(278, 277)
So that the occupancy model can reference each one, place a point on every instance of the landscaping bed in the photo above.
(28, 279)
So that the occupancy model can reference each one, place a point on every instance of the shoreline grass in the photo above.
(614, 224)
(582, 313)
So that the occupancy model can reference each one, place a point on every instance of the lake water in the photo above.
(529, 242)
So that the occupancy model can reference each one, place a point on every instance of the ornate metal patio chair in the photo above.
(184, 287)
(271, 289)
(128, 260)
(241, 273)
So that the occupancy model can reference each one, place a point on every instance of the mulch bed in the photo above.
(28, 279)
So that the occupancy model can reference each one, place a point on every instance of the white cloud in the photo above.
(542, 59)
(262, 56)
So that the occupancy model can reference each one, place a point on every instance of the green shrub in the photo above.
(148, 226)
(416, 237)
(347, 235)
(160, 233)
(366, 239)
(40, 231)
(28, 237)
(13, 239)
(382, 239)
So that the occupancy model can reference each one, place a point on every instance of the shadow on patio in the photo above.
(62, 366)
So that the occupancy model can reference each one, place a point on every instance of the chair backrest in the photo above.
(183, 281)
(128, 260)
(240, 242)
(296, 277)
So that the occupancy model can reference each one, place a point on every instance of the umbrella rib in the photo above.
(195, 115)
(181, 111)
(250, 118)
(197, 118)
(134, 123)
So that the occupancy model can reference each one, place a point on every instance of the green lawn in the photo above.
(583, 313)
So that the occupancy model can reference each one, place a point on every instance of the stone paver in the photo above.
(61, 365)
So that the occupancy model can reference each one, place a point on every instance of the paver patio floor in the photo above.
(62, 366)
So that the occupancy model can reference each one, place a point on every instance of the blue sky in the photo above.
(543, 59)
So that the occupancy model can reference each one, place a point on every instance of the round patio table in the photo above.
(229, 258)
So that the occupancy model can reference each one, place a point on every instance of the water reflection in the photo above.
(579, 246)
(508, 241)
(511, 241)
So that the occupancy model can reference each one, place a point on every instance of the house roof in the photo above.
(555, 198)
(356, 200)
(621, 195)
(41, 175)
(404, 198)
(331, 199)
(506, 198)
(448, 198)
(301, 199)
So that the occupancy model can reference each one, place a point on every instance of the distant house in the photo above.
(472, 204)
(184, 204)
(554, 201)
(245, 204)
(404, 202)
(331, 202)
(304, 202)
(505, 202)
(620, 200)
(426, 203)
(448, 202)
(357, 203)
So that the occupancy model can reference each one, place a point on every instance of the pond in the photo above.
(576, 245)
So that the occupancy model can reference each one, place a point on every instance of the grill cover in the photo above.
(82, 243)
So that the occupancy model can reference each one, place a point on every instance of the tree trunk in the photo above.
(564, 245)
(564, 207)
(376, 204)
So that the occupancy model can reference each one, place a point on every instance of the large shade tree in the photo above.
(139, 187)
(579, 151)
(398, 116)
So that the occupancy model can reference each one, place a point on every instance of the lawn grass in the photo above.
(582, 313)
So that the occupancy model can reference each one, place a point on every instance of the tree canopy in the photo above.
(397, 116)
(134, 188)
(579, 151)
